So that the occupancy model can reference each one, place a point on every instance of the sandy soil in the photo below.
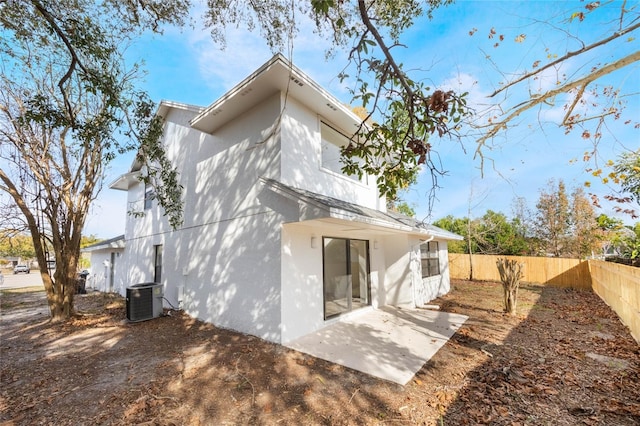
(564, 360)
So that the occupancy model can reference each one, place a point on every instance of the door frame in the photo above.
(349, 275)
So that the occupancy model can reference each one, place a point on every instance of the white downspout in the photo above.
(414, 275)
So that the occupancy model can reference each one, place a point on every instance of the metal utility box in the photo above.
(144, 301)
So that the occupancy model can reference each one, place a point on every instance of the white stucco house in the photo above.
(276, 241)
(104, 273)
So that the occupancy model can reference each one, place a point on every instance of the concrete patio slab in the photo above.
(390, 343)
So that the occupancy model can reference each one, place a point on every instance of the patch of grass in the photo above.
(34, 289)
(19, 297)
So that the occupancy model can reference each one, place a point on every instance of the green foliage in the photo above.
(626, 172)
(585, 233)
(16, 244)
(567, 226)
(495, 234)
(88, 240)
(69, 106)
(491, 234)
(552, 219)
(404, 208)
(458, 226)
(159, 172)
(74, 48)
(406, 111)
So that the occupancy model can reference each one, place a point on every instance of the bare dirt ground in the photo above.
(565, 360)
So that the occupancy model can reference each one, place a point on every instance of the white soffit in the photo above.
(275, 76)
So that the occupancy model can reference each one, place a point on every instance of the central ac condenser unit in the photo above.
(144, 301)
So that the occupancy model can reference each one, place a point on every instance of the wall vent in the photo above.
(296, 81)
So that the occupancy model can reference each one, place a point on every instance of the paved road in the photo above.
(21, 280)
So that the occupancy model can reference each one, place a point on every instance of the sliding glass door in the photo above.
(346, 275)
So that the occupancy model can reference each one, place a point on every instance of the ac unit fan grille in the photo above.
(140, 303)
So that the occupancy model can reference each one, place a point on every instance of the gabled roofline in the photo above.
(123, 181)
(278, 74)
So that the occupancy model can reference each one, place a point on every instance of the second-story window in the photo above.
(149, 195)
(332, 141)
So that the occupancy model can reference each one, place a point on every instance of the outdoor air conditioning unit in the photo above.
(144, 301)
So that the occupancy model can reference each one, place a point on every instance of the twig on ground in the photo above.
(253, 389)
(353, 394)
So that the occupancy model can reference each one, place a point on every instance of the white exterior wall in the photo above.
(100, 271)
(302, 291)
(390, 275)
(301, 165)
(233, 263)
(439, 285)
(398, 279)
(224, 261)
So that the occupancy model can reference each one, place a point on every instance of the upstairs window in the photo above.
(149, 195)
(332, 141)
(429, 259)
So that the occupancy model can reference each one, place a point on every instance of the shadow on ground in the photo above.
(534, 369)
(569, 361)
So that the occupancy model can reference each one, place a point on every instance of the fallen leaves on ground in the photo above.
(565, 359)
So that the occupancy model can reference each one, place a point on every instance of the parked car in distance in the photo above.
(21, 268)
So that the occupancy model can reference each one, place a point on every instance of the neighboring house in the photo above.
(276, 241)
(104, 273)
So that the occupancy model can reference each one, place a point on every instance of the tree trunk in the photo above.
(510, 275)
(510, 300)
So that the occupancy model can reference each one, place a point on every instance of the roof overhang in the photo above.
(278, 75)
(124, 182)
(112, 243)
(319, 208)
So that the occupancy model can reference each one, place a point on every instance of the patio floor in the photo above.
(390, 343)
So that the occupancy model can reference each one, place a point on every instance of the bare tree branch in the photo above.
(569, 55)
(527, 105)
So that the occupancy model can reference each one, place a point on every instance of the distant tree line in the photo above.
(18, 243)
(563, 224)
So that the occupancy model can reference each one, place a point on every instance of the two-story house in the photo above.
(276, 241)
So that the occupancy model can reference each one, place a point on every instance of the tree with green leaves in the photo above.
(553, 219)
(493, 233)
(458, 226)
(14, 243)
(625, 173)
(68, 106)
(496, 234)
(585, 235)
(612, 233)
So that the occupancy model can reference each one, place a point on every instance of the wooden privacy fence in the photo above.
(559, 272)
(619, 286)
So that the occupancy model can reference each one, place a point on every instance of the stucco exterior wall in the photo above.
(101, 269)
(242, 259)
(301, 165)
(222, 265)
(302, 273)
(397, 285)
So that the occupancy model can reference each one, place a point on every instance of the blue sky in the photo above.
(184, 65)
